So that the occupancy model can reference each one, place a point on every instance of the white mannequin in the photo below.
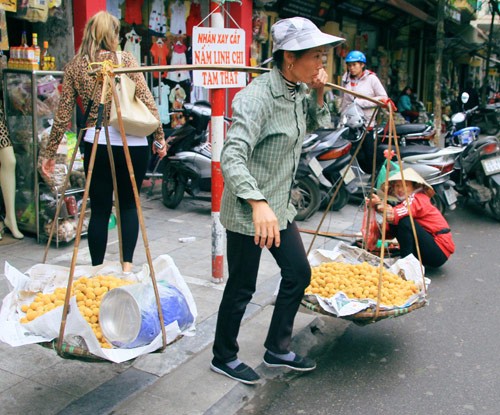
(8, 184)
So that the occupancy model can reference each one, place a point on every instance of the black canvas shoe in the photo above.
(301, 364)
(241, 373)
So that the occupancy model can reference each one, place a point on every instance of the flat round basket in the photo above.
(72, 352)
(367, 316)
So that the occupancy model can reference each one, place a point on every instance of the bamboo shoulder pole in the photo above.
(228, 68)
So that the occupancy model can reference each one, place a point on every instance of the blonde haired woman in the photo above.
(100, 42)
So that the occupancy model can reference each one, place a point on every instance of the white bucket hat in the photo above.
(299, 33)
(411, 175)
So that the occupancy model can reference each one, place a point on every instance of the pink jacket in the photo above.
(368, 84)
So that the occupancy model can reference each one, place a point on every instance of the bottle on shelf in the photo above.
(13, 57)
(44, 53)
(23, 53)
(37, 52)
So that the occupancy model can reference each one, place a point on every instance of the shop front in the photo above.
(36, 45)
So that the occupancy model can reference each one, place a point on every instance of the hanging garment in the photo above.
(194, 18)
(133, 11)
(178, 58)
(133, 45)
(158, 19)
(163, 103)
(159, 54)
(199, 93)
(114, 7)
(177, 97)
(177, 18)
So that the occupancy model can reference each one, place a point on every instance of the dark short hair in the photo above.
(278, 56)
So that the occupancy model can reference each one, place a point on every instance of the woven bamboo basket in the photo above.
(73, 352)
(367, 316)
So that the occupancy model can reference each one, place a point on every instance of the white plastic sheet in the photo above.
(46, 278)
(340, 304)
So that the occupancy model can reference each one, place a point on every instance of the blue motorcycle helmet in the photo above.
(355, 56)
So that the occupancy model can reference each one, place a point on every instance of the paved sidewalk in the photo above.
(35, 380)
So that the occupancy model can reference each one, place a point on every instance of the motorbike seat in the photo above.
(413, 150)
(405, 129)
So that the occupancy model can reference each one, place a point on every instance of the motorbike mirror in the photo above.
(458, 118)
(464, 97)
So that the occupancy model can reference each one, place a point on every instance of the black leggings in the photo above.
(243, 258)
(101, 198)
(432, 255)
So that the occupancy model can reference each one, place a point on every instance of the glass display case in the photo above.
(30, 102)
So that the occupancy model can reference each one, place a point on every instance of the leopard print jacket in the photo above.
(77, 82)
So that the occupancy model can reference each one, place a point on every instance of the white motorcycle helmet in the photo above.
(353, 116)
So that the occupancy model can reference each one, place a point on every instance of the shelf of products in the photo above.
(30, 100)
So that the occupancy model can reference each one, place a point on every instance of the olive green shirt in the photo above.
(262, 150)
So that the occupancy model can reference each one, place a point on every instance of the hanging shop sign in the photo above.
(8, 5)
(218, 46)
(314, 10)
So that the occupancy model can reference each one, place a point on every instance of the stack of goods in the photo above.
(108, 314)
(89, 293)
(349, 282)
(360, 281)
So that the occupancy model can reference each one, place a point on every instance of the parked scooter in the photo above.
(324, 154)
(305, 193)
(487, 119)
(188, 165)
(412, 134)
(433, 164)
(478, 173)
(437, 169)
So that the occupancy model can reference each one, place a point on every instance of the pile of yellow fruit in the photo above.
(89, 293)
(360, 281)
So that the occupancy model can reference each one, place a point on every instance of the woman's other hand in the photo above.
(373, 201)
(266, 226)
(161, 152)
(389, 213)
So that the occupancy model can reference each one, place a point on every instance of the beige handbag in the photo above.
(136, 116)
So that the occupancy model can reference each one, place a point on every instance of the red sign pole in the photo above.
(217, 137)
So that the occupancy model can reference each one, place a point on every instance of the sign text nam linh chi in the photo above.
(219, 46)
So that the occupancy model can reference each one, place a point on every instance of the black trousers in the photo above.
(431, 253)
(101, 198)
(243, 258)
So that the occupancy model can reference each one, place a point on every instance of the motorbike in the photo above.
(487, 119)
(437, 169)
(325, 153)
(433, 164)
(478, 167)
(305, 193)
(412, 134)
(188, 165)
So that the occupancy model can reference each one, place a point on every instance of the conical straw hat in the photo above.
(411, 175)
